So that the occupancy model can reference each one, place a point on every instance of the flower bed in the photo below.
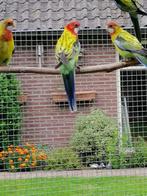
(23, 158)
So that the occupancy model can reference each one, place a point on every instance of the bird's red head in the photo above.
(73, 27)
(111, 26)
(7, 35)
(112, 23)
(9, 22)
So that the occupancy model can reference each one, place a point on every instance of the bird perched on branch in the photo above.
(134, 8)
(127, 45)
(6, 41)
(67, 53)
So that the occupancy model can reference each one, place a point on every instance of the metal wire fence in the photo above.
(46, 150)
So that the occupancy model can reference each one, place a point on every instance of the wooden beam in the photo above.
(83, 70)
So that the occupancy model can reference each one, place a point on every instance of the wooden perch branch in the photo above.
(83, 70)
(107, 67)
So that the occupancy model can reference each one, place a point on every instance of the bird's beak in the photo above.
(110, 30)
(76, 30)
(13, 24)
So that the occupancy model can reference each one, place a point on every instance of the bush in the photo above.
(139, 158)
(10, 112)
(135, 156)
(23, 158)
(95, 137)
(62, 158)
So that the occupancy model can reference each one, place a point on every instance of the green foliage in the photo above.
(62, 158)
(10, 114)
(139, 157)
(95, 137)
(135, 156)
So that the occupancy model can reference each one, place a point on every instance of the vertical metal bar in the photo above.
(119, 109)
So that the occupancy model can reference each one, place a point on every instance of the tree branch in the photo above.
(107, 67)
(87, 69)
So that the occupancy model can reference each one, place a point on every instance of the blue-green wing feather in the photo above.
(139, 53)
(127, 43)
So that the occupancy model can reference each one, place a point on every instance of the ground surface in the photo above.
(75, 173)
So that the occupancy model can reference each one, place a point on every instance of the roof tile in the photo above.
(46, 14)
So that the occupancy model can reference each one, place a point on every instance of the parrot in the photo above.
(67, 52)
(6, 41)
(134, 8)
(126, 44)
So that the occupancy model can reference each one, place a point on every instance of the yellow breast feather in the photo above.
(65, 44)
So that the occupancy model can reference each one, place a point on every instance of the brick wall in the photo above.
(45, 122)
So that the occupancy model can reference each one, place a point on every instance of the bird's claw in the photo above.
(78, 68)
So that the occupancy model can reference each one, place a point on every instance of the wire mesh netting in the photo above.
(46, 150)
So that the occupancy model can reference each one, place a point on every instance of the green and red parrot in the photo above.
(6, 41)
(134, 8)
(127, 45)
(67, 53)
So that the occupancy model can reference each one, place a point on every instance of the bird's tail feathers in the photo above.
(142, 59)
(142, 12)
(69, 83)
(143, 52)
(140, 9)
(136, 27)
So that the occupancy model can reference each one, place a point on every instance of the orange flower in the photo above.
(22, 165)
(4, 153)
(33, 164)
(34, 149)
(33, 156)
(10, 151)
(11, 162)
(17, 149)
(27, 156)
(26, 160)
(42, 156)
(21, 152)
(25, 151)
(19, 159)
(12, 167)
(1, 155)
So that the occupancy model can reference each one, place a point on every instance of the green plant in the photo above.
(139, 156)
(63, 158)
(118, 159)
(95, 137)
(135, 156)
(10, 113)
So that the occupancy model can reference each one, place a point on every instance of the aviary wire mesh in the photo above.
(46, 150)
